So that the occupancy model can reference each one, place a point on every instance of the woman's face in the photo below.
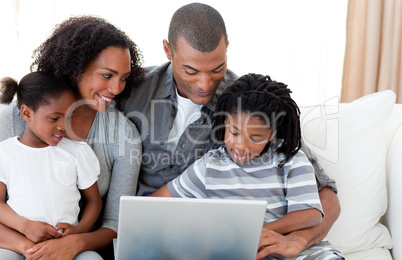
(104, 78)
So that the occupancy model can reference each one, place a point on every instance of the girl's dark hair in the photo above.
(270, 101)
(34, 90)
(76, 42)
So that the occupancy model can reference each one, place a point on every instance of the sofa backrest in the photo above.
(351, 146)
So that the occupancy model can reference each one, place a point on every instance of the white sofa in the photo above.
(359, 144)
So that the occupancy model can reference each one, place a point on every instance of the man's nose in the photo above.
(205, 82)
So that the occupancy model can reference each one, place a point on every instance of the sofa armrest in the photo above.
(394, 182)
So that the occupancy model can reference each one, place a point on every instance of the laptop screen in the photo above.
(182, 228)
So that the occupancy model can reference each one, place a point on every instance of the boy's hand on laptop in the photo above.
(38, 231)
(277, 245)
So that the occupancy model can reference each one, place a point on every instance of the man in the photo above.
(173, 110)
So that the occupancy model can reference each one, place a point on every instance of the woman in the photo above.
(98, 60)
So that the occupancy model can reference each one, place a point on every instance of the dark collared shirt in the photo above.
(153, 108)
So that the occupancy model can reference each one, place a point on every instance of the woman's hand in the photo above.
(64, 248)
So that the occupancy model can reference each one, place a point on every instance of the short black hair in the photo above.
(76, 42)
(268, 99)
(34, 90)
(201, 25)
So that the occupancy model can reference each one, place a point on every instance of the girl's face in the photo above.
(105, 77)
(46, 125)
(245, 136)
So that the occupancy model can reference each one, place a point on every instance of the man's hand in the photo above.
(54, 249)
(275, 244)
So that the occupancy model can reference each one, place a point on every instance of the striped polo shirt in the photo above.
(290, 188)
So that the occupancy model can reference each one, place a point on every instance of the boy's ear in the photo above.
(26, 113)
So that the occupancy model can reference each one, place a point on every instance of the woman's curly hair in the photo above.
(76, 42)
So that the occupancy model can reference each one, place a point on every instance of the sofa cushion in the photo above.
(350, 145)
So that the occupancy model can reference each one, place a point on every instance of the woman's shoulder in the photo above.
(11, 123)
(10, 110)
(113, 129)
(115, 120)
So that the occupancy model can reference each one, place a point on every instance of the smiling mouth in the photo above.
(58, 137)
(107, 100)
(240, 156)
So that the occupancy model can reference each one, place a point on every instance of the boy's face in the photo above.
(245, 136)
(46, 125)
(197, 74)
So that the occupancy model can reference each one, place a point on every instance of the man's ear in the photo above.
(167, 50)
(26, 113)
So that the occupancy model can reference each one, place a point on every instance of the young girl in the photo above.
(258, 123)
(40, 170)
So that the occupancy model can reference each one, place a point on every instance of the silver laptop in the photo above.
(181, 228)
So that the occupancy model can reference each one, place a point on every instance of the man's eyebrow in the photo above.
(220, 65)
(188, 66)
(191, 68)
(115, 72)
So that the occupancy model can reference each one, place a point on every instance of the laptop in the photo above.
(184, 228)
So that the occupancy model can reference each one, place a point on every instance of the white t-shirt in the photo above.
(42, 183)
(187, 113)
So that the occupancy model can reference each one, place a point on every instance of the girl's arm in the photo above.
(35, 231)
(295, 221)
(127, 150)
(162, 192)
(13, 240)
(66, 248)
(93, 206)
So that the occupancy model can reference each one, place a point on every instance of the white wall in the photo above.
(300, 43)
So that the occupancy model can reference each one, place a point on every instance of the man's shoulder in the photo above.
(155, 78)
(152, 72)
(230, 76)
(156, 84)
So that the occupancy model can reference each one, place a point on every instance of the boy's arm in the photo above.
(291, 245)
(35, 231)
(162, 192)
(331, 207)
(93, 206)
(295, 221)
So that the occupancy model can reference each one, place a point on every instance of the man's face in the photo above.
(197, 74)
